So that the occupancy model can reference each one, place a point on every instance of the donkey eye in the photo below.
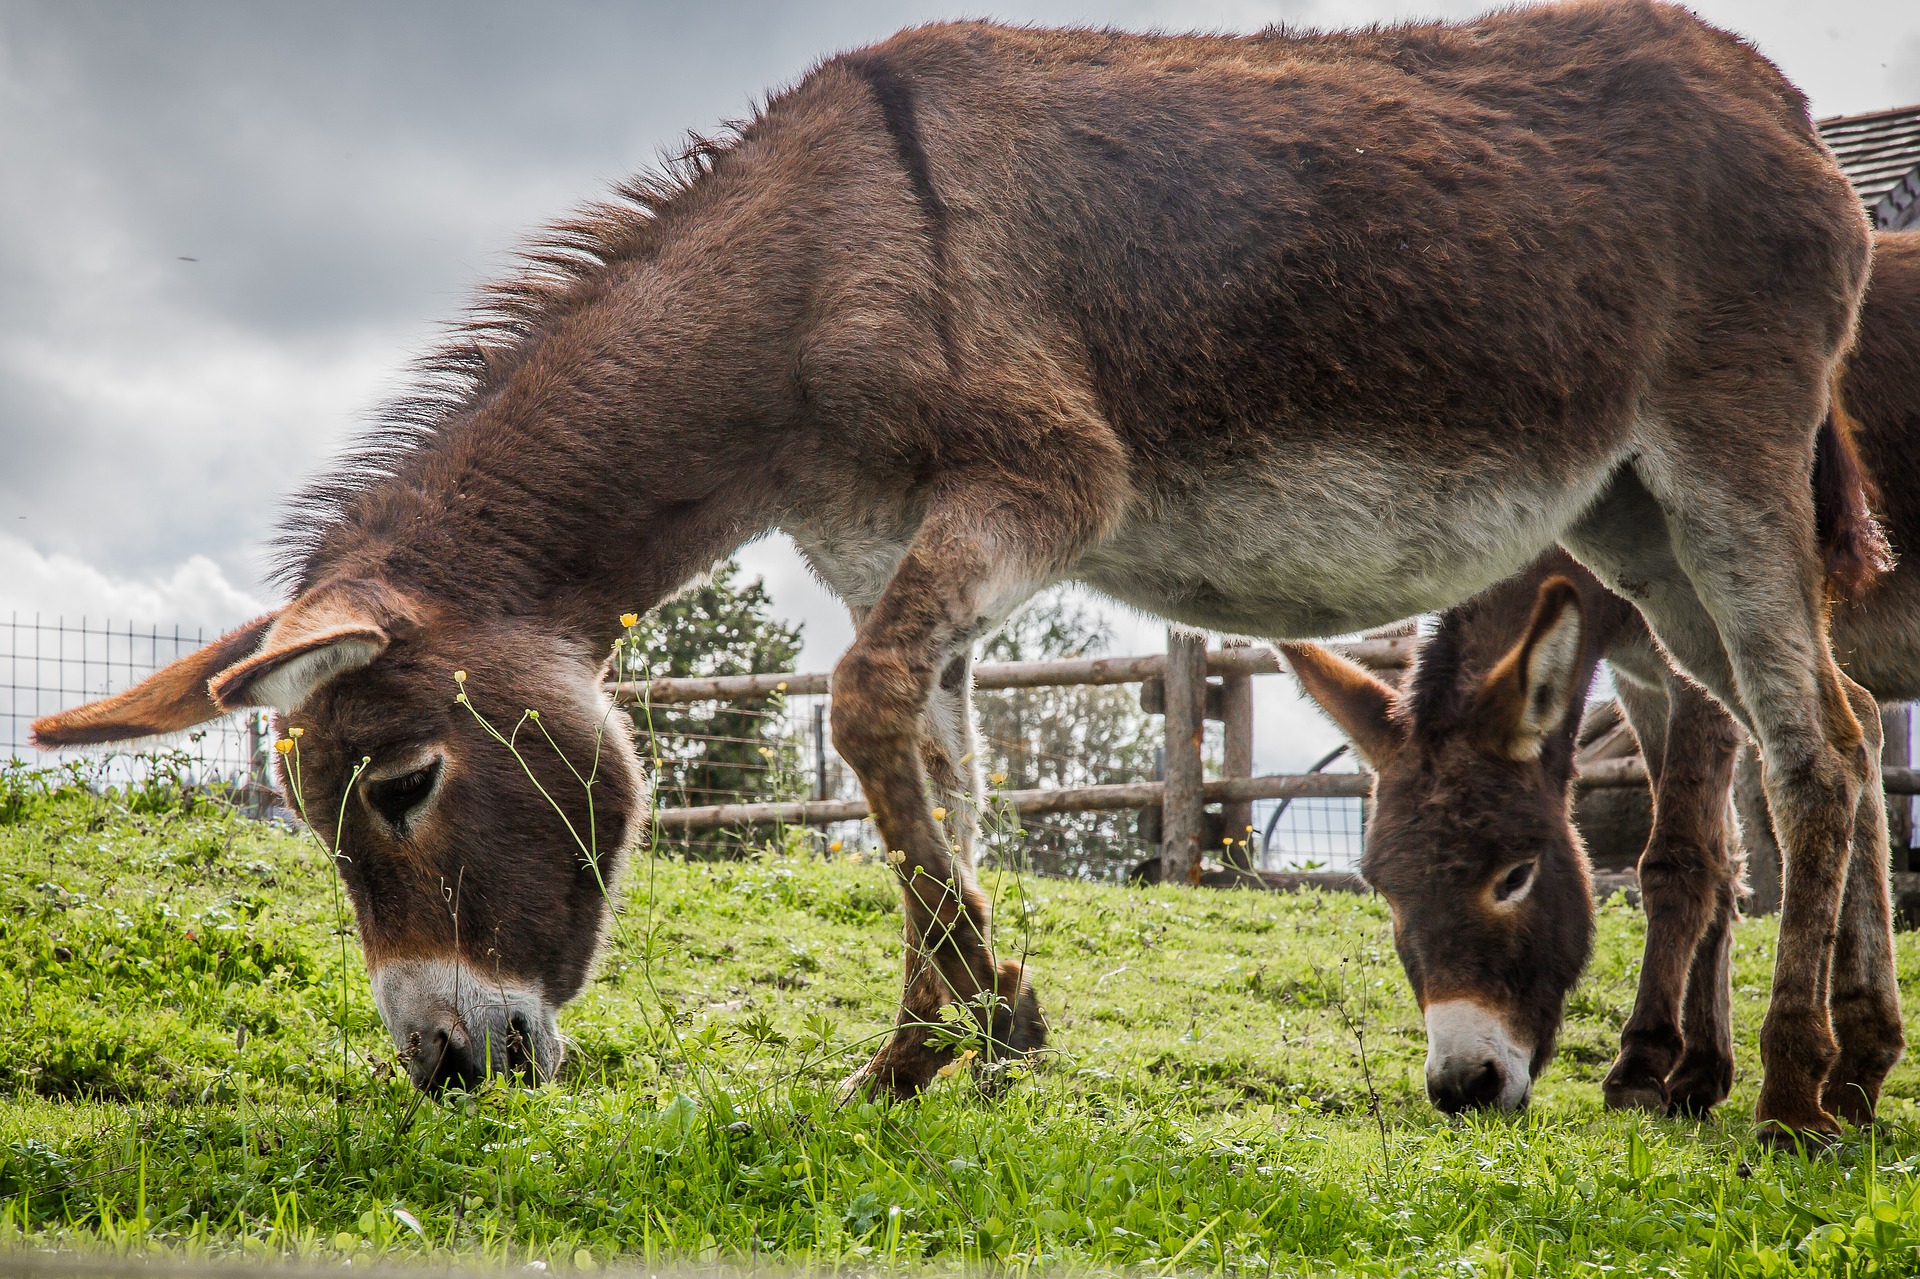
(1513, 881)
(397, 797)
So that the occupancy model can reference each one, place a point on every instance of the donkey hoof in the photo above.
(1809, 1136)
(1853, 1102)
(881, 1079)
(1019, 1030)
(1695, 1088)
(1019, 1027)
(1628, 1087)
(1648, 1097)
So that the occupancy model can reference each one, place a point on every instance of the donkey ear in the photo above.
(285, 675)
(1530, 694)
(332, 629)
(1358, 702)
(173, 698)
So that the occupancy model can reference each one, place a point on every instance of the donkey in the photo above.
(1476, 849)
(1287, 334)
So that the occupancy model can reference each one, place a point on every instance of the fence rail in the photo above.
(1186, 685)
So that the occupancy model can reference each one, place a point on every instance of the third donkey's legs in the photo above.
(1686, 885)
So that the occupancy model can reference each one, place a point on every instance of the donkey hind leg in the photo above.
(949, 753)
(1683, 873)
(1704, 1076)
(954, 579)
(1864, 995)
(1757, 842)
(1731, 587)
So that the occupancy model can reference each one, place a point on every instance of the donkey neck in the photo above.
(633, 437)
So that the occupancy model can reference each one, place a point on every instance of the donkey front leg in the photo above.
(900, 728)
(1684, 874)
(1863, 991)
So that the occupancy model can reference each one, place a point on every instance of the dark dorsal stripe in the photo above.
(902, 118)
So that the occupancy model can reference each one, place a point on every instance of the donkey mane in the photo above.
(556, 271)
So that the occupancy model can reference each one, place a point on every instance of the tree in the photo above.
(716, 752)
(1079, 736)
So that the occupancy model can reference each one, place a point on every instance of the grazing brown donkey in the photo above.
(1459, 820)
(1285, 334)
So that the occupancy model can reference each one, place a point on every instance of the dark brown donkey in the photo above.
(1286, 335)
(1477, 851)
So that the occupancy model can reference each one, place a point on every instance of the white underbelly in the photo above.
(1304, 555)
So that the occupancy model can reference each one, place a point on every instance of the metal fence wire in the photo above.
(705, 753)
(54, 664)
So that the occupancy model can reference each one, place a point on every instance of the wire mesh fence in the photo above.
(54, 664)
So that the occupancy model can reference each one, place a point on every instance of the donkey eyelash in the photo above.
(1514, 883)
(395, 798)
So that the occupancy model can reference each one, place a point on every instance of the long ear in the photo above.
(334, 628)
(1358, 702)
(1528, 696)
(173, 698)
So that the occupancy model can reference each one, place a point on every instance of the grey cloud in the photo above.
(346, 172)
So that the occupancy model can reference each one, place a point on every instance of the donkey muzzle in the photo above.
(1473, 1060)
(454, 1027)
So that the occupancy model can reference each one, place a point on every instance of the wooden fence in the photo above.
(1187, 686)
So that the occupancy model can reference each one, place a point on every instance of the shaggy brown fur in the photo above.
(1452, 814)
(1289, 334)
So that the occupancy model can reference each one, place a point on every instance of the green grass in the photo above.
(174, 1078)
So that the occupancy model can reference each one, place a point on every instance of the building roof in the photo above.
(1880, 153)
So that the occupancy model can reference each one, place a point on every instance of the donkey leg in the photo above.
(1681, 873)
(1865, 996)
(1759, 846)
(1704, 1076)
(1729, 583)
(949, 753)
(968, 565)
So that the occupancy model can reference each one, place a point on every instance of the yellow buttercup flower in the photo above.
(284, 745)
(939, 814)
(955, 1066)
(835, 846)
(295, 732)
(629, 619)
(997, 778)
(459, 677)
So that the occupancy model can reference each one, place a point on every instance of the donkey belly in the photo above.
(1303, 550)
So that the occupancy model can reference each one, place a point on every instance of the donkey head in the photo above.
(478, 872)
(1471, 844)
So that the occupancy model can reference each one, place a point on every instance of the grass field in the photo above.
(192, 1064)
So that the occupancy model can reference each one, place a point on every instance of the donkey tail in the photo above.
(1844, 496)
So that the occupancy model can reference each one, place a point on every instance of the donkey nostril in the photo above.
(1485, 1085)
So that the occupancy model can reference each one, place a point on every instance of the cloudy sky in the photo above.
(226, 227)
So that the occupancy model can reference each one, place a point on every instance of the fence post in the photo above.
(1236, 715)
(1183, 808)
(819, 750)
(1897, 723)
